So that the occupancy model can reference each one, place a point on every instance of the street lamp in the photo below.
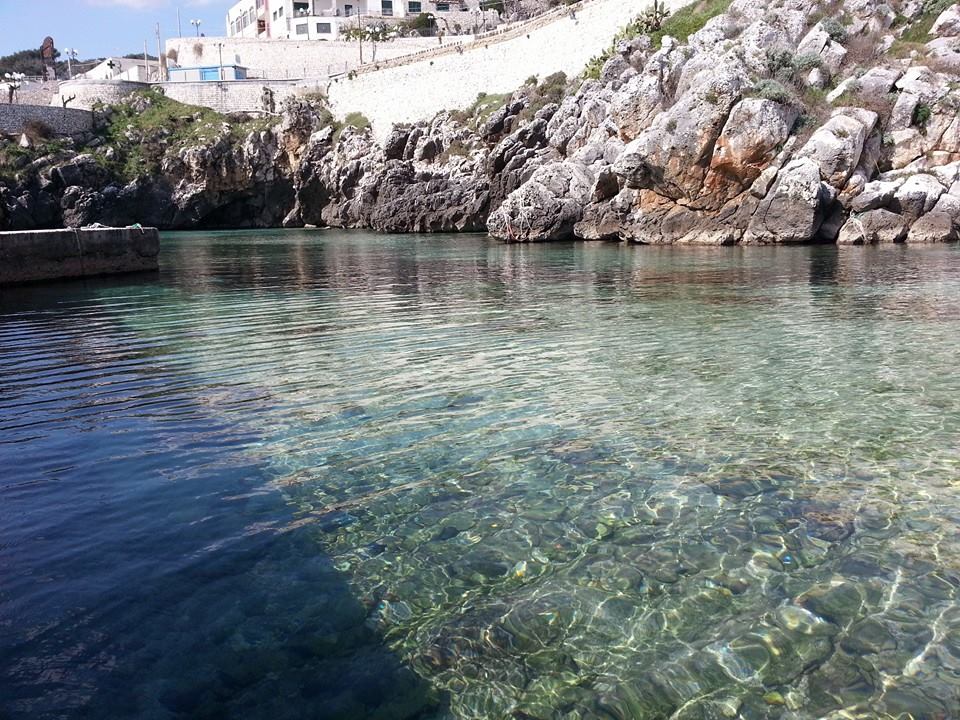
(196, 24)
(71, 55)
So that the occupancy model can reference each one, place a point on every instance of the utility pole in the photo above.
(146, 62)
(360, 33)
(179, 29)
(71, 55)
(161, 75)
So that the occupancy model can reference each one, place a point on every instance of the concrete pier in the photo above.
(54, 254)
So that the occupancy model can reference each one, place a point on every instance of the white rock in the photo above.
(918, 195)
(875, 226)
(947, 23)
(837, 144)
(875, 195)
(792, 211)
(933, 227)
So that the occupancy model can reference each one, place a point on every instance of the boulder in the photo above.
(546, 207)
(947, 23)
(875, 195)
(672, 156)
(934, 227)
(396, 143)
(751, 138)
(836, 145)
(876, 83)
(917, 195)
(874, 226)
(604, 220)
(82, 171)
(908, 145)
(793, 209)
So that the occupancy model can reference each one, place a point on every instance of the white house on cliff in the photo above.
(323, 19)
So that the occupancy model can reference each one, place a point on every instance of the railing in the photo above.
(501, 34)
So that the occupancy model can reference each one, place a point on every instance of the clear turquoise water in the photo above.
(332, 475)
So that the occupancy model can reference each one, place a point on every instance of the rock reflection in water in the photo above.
(589, 481)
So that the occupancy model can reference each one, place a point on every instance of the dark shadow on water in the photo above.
(156, 572)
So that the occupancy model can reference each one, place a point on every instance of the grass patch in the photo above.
(148, 126)
(352, 119)
(689, 19)
(551, 90)
(356, 120)
(919, 30)
(454, 148)
(14, 158)
(482, 108)
(680, 25)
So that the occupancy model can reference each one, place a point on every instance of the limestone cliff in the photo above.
(793, 121)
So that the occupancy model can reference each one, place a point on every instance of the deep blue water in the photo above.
(339, 475)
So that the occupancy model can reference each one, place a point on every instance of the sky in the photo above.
(98, 28)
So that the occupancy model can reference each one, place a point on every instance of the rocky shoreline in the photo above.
(788, 122)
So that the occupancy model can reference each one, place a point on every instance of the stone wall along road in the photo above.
(563, 41)
(62, 121)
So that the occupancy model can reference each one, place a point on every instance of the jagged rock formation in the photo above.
(771, 124)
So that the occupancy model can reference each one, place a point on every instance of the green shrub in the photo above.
(688, 20)
(772, 90)
(357, 120)
(650, 22)
(921, 115)
(919, 30)
(834, 28)
(481, 109)
(148, 126)
(595, 65)
(454, 148)
(551, 90)
(786, 67)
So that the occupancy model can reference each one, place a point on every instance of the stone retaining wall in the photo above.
(54, 254)
(287, 59)
(62, 121)
(410, 89)
(86, 93)
(234, 95)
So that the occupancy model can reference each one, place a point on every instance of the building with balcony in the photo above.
(326, 19)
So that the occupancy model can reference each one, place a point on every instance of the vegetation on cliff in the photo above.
(725, 122)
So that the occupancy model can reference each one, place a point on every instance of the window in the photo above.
(280, 11)
(302, 29)
(386, 7)
(348, 10)
(443, 7)
(414, 6)
(323, 28)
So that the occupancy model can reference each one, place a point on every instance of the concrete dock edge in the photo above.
(34, 255)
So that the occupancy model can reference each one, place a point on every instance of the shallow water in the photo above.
(324, 474)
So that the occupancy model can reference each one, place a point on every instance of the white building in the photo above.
(324, 19)
(132, 69)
